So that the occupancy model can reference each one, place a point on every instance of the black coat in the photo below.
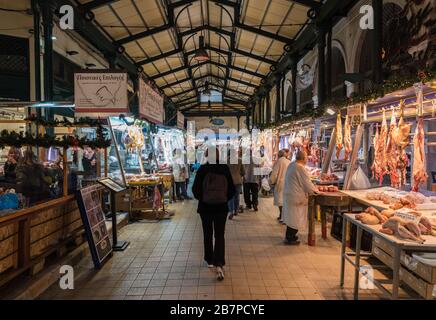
(197, 188)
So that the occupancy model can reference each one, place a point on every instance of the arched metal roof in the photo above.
(243, 38)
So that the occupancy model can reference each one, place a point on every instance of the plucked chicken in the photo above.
(401, 138)
(419, 170)
(406, 230)
(339, 139)
(347, 138)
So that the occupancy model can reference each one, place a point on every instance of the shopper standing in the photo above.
(251, 183)
(180, 174)
(277, 179)
(296, 193)
(237, 171)
(213, 187)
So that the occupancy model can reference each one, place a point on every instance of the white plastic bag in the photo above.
(359, 180)
(265, 185)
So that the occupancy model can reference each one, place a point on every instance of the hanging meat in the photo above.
(392, 153)
(419, 170)
(379, 166)
(347, 138)
(339, 139)
(401, 138)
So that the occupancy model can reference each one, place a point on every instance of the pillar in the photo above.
(321, 66)
(268, 107)
(328, 68)
(294, 87)
(278, 98)
(377, 39)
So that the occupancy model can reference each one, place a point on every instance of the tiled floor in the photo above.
(164, 261)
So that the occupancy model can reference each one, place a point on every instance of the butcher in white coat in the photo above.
(298, 188)
(277, 179)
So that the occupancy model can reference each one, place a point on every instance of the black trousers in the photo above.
(291, 234)
(280, 210)
(181, 190)
(214, 225)
(251, 193)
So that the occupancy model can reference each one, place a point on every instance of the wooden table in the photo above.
(397, 244)
(324, 199)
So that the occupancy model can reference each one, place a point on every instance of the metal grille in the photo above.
(13, 55)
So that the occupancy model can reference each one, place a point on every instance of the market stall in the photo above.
(39, 217)
(134, 165)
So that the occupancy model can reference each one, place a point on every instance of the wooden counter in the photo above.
(30, 235)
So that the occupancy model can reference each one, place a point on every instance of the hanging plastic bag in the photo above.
(265, 185)
(9, 201)
(359, 180)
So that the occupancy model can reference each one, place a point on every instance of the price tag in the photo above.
(355, 114)
(407, 214)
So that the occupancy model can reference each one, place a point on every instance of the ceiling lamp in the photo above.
(206, 90)
(201, 53)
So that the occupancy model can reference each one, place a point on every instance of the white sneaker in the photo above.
(210, 266)
(219, 273)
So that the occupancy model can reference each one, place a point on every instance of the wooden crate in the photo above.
(422, 287)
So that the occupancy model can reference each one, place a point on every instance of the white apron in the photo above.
(278, 179)
(296, 193)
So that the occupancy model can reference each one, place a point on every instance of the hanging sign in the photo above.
(355, 114)
(150, 103)
(93, 218)
(100, 93)
(180, 120)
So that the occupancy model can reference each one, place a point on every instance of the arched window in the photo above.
(338, 70)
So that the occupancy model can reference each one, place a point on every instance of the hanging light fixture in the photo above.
(201, 53)
(206, 90)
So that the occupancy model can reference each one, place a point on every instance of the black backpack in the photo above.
(214, 188)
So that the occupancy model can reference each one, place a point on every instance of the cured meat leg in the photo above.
(392, 153)
(347, 138)
(401, 138)
(379, 166)
(339, 142)
(419, 170)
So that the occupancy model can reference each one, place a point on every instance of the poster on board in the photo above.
(180, 120)
(150, 103)
(93, 218)
(100, 93)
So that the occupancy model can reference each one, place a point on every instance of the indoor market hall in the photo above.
(212, 151)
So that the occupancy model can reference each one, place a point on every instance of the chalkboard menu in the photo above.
(93, 218)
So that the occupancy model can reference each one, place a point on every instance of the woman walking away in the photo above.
(237, 171)
(278, 179)
(213, 187)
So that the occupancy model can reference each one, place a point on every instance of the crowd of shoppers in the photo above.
(218, 186)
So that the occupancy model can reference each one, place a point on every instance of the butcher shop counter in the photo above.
(360, 197)
(324, 201)
(395, 256)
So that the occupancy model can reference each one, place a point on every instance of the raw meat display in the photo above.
(314, 156)
(401, 139)
(419, 170)
(392, 154)
(347, 138)
(379, 168)
(376, 213)
(401, 133)
(388, 213)
(367, 218)
(398, 200)
(425, 226)
(339, 140)
(328, 188)
(325, 177)
(406, 230)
